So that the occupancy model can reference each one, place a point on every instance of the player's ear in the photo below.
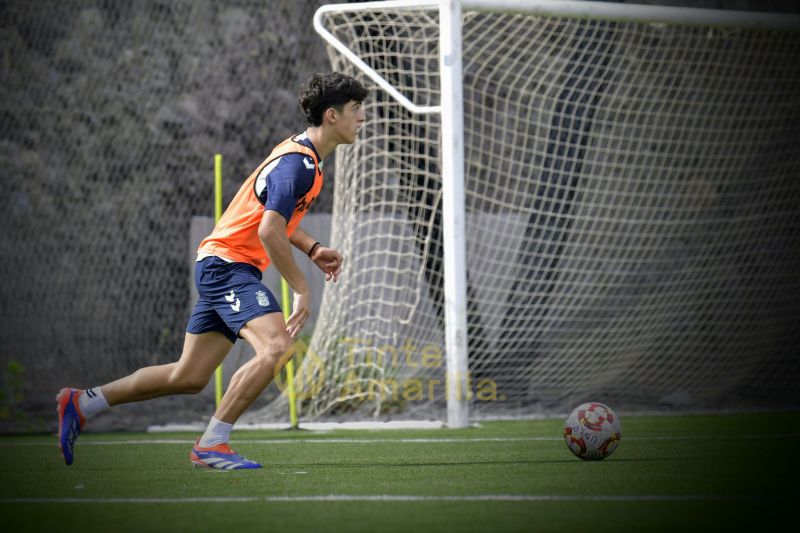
(330, 114)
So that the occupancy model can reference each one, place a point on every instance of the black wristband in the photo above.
(311, 251)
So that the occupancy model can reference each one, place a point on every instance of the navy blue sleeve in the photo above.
(285, 181)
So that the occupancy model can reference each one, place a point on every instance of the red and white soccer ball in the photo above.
(592, 431)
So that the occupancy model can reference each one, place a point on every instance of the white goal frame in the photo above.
(451, 113)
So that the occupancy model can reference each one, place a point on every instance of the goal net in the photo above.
(632, 215)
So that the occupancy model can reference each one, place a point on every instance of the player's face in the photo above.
(349, 121)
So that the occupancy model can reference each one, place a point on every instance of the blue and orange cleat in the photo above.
(70, 421)
(219, 457)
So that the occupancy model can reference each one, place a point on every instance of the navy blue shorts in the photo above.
(231, 295)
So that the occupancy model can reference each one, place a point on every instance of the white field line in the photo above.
(313, 426)
(410, 440)
(391, 498)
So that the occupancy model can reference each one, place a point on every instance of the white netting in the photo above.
(633, 208)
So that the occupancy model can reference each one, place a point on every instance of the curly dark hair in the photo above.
(326, 90)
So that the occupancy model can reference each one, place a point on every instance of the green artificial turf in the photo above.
(698, 472)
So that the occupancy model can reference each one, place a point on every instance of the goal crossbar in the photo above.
(561, 8)
(636, 12)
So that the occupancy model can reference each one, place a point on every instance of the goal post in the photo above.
(555, 202)
(452, 148)
(454, 225)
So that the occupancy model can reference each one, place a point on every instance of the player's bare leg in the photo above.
(268, 336)
(202, 353)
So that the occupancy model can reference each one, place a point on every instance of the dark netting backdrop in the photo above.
(110, 116)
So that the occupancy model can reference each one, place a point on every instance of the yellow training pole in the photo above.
(217, 216)
(287, 308)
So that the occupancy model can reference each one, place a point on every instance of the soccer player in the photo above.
(257, 230)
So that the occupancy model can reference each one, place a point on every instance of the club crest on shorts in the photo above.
(263, 299)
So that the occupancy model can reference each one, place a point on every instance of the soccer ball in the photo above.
(592, 431)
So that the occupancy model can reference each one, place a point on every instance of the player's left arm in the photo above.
(329, 260)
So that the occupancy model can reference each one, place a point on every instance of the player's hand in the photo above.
(301, 310)
(329, 261)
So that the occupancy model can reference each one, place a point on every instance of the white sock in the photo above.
(217, 432)
(91, 401)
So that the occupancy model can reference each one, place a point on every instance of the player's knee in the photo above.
(187, 383)
(194, 385)
(284, 345)
(277, 348)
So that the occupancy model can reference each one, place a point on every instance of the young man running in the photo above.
(256, 230)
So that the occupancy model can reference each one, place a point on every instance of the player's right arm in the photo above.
(279, 186)
(272, 232)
